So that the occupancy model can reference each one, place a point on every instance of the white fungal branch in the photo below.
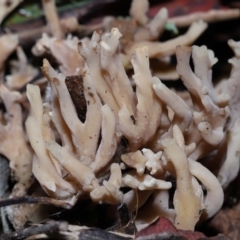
(209, 118)
(108, 145)
(85, 146)
(118, 79)
(139, 129)
(144, 182)
(91, 50)
(167, 48)
(13, 144)
(187, 204)
(43, 167)
(214, 198)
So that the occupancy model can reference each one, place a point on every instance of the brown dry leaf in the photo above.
(227, 221)
(164, 229)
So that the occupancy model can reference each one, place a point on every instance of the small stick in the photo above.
(209, 17)
(31, 35)
(49, 227)
(39, 200)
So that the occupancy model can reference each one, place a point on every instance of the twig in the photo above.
(210, 17)
(27, 232)
(39, 200)
(31, 35)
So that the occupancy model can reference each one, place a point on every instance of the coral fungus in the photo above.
(97, 132)
(115, 110)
